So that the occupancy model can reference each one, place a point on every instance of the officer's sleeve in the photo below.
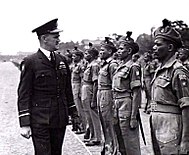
(25, 93)
(181, 87)
(135, 76)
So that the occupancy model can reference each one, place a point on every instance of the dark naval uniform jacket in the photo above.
(44, 93)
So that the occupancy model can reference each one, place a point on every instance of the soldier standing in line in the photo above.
(68, 56)
(45, 96)
(126, 87)
(76, 79)
(170, 96)
(104, 94)
(148, 72)
(183, 56)
(135, 57)
(89, 96)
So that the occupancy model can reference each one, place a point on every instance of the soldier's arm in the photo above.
(135, 85)
(25, 93)
(112, 68)
(95, 70)
(181, 86)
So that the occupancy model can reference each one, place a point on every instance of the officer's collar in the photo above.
(45, 52)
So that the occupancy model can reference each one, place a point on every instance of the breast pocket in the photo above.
(43, 76)
(87, 76)
(162, 90)
(123, 80)
(124, 73)
(163, 82)
(103, 77)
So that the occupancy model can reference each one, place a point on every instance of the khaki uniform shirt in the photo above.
(127, 76)
(91, 72)
(170, 85)
(106, 73)
(77, 72)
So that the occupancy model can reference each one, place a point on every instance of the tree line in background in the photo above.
(145, 41)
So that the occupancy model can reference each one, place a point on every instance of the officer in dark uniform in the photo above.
(170, 96)
(45, 96)
(126, 87)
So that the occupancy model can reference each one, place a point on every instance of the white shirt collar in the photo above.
(45, 52)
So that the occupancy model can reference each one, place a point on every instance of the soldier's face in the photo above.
(123, 51)
(104, 53)
(146, 57)
(87, 56)
(160, 49)
(183, 54)
(76, 58)
(52, 41)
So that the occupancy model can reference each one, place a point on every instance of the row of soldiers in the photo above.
(107, 86)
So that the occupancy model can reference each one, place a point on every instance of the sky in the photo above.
(82, 19)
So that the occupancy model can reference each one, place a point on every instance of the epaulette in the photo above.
(177, 65)
(180, 66)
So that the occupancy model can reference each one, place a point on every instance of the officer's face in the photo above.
(123, 51)
(104, 53)
(160, 49)
(52, 41)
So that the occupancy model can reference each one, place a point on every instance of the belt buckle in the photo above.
(153, 105)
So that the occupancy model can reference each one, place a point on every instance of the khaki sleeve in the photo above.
(112, 69)
(95, 69)
(181, 87)
(135, 74)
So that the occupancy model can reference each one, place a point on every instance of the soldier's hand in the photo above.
(25, 131)
(133, 123)
(93, 105)
(184, 148)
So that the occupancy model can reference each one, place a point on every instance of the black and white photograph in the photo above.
(94, 77)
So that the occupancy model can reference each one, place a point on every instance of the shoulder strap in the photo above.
(111, 62)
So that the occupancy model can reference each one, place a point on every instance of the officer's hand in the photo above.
(133, 123)
(25, 131)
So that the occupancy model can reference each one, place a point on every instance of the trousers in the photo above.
(129, 137)
(48, 141)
